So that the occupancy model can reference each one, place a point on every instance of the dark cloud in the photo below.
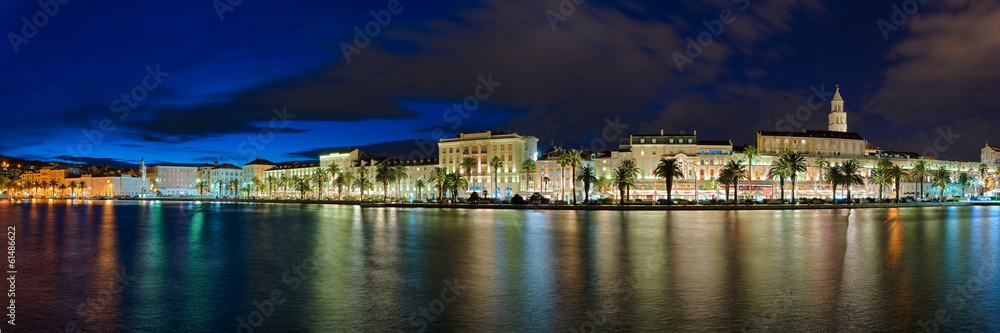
(944, 74)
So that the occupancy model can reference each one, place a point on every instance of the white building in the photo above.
(222, 178)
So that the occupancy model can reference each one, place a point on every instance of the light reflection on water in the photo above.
(195, 266)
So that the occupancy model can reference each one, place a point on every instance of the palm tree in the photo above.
(882, 178)
(668, 169)
(400, 174)
(625, 177)
(496, 163)
(362, 183)
(419, 184)
(750, 153)
(941, 178)
(342, 180)
(468, 164)
(795, 162)
(82, 185)
(851, 177)
(601, 184)
(571, 158)
(62, 189)
(52, 185)
(896, 173)
(235, 186)
(588, 177)
(735, 172)
(821, 163)
(320, 177)
(622, 180)
(527, 166)
(983, 169)
(880, 175)
(920, 172)
(455, 181)
(201, 186)
(258, 186)
(781, 170)
(439, 176)
(283, 182)
(72, 189)
(835, 177)
(963, 180)
(384, 175)
(301, 184)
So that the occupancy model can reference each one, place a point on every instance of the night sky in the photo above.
(222, 76)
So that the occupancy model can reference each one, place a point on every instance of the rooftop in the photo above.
(226, 166)
(815, 134)
(260, 161)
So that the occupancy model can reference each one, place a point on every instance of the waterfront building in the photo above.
(203, 184)
(416, 170)
(991, 154)
(699, 160)
(108, 185)
(173, 180)
(46, 174)
(813, 143)
(221, 179)
(255, 170)
(510, 148)
(343, 158)
(288, 172)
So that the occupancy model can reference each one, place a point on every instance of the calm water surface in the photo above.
(104, 266)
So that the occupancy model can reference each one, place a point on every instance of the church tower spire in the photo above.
(838, 118)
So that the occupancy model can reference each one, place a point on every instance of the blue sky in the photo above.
(222, 78)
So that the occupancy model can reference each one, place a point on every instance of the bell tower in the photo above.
(838, 118)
